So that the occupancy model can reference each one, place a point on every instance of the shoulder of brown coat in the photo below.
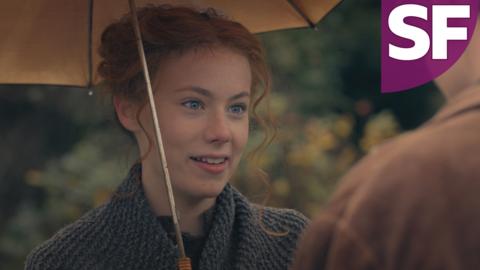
(419, 160)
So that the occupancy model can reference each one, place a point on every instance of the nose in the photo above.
(218, 130)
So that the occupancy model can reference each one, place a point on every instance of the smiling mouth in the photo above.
(209, 160)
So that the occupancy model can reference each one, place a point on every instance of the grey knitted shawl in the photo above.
(125, 234)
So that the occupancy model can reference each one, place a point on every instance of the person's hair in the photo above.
(167, 30)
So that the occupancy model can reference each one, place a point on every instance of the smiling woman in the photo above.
(201, 98)
(209, 76)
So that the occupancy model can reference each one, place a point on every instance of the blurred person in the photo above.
(209, 76)
(413, 202)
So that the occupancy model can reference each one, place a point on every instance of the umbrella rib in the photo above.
(89, 45)
(304, 16)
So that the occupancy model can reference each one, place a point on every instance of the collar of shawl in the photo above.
(233, 228)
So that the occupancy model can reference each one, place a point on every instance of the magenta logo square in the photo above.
(421, 39)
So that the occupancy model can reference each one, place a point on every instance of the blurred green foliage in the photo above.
(63, 154)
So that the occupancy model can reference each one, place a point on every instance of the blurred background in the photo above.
(63, 154)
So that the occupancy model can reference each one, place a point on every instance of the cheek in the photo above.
(175, 130)
(241, 135)
(179, 132)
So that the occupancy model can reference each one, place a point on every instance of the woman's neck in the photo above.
(189, 210)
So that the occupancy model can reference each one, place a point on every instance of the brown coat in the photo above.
(413, 203)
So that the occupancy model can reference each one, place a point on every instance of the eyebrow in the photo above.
(207, 93)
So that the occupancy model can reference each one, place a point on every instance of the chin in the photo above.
(212, 191)
(206, 191)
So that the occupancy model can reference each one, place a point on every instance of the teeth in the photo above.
(210, 160)
(213, 160)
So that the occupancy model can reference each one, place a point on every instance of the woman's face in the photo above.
(202, 100)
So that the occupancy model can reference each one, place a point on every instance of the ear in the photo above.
(126, 113)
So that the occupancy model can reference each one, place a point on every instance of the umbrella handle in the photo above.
(183, 261)
(184, 264)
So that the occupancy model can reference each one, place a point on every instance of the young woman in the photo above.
(209, 75)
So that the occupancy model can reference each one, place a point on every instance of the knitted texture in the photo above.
(125, 234)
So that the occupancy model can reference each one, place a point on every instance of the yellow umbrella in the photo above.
(54, 42)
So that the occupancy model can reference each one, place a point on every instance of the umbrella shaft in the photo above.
(158, 134)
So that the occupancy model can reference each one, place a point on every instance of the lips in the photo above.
(211, 164)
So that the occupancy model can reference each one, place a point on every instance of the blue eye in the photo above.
(193, 104)
(238, 108)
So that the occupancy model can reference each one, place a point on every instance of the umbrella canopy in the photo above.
(55, 41)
